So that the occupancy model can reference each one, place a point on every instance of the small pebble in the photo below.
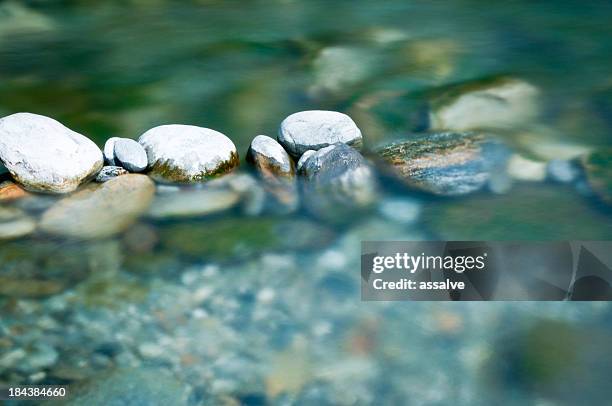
(109, 151)
(562, 171)
(404, 211)
(130, 154)
(109, 172)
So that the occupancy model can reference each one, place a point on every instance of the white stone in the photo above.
(130, 155)
(524, 169)
(270, 149)
(109, 151)
(185, 153)
(316, 129)
(44, 155)
(501, 105)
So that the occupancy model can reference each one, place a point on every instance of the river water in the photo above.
(247, 308)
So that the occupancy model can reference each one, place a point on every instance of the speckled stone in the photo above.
(445, 163)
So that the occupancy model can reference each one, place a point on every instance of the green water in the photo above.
(266, 310)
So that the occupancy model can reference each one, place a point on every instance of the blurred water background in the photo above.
(237, 309)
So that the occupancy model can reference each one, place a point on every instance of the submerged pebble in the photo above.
(14, 223)
(562, 170)
(521, 168)
(400, 210)
(316, 129)
(101, 210)
(494, 104)
(187, 154)
(43, 155)
(447, 163)
(598, 170)
(193, 203)
(10, 191)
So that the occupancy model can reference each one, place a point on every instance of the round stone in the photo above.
(187, 154)
(100, 211)
(109, 151)
(130, 155)
(316, 129)
(43, 155)
(269, 157)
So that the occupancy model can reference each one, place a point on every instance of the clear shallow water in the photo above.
(233, 309)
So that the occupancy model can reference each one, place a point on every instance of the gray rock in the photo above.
(187, 154)
(101, 210)
(43, 155)
(14, 223)
(109, 151)
(275, 167)
(447, 164)
(316, 129)
(304, 158)
(562, 170)
(130, 155)
(337, 182)
(109, 172)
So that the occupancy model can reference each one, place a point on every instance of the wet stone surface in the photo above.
(447, 164)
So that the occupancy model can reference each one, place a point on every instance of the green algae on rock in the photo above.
(598, 170)
(447, 163)
(530, 212)
(188, 154)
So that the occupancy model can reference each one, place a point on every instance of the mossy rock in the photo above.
(598, 170)
(232, 238)
(530, 212)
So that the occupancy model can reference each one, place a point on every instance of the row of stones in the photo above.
(43, 155)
